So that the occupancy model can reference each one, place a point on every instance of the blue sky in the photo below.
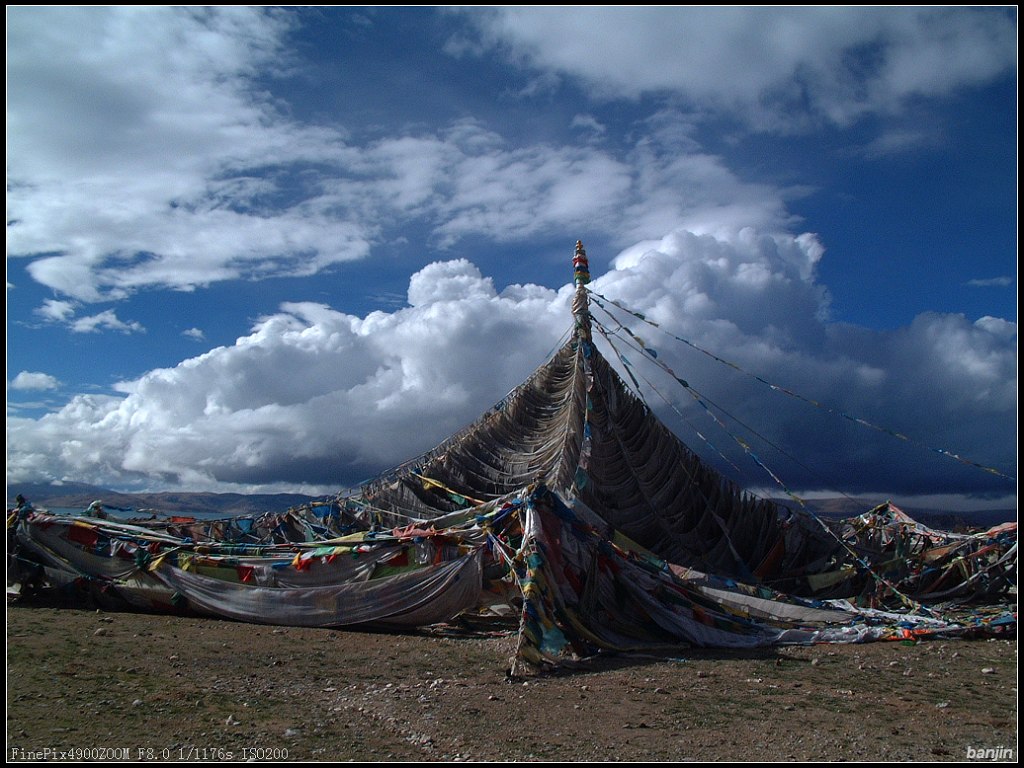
(283, 249)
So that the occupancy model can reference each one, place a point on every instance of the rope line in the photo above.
(745, 446)
(796, 395)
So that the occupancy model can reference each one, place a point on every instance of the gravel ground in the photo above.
(120, 686)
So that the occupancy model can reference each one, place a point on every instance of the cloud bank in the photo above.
(142, 154)
(314, 398)
(777, 69)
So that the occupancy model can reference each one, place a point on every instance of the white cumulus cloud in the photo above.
(34, 380)
(322, 397)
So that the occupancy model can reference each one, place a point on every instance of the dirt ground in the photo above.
(120, 686)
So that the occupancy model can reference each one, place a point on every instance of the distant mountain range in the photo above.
(81, 495)
(945, 519)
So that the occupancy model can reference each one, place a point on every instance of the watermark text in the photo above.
(990, 753)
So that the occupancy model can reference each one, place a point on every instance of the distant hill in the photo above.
(81, 495)
(945, 519)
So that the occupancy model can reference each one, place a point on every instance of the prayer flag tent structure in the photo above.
(569, 507)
